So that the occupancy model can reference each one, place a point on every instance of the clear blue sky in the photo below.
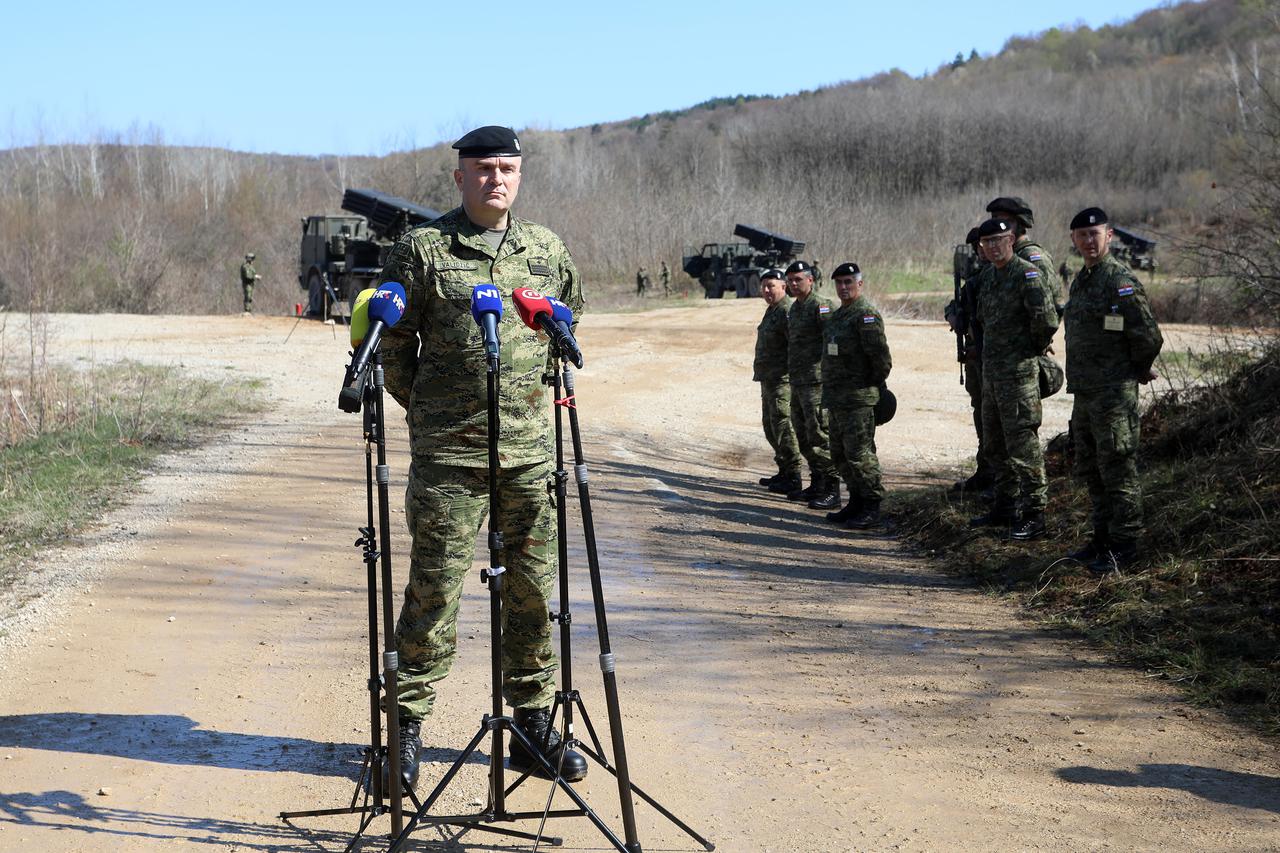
(322, 77)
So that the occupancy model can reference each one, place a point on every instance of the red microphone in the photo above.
(531, 305)
(536, 312)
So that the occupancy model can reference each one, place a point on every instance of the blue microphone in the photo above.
(486, 310)
(562, 316)
(386, 306)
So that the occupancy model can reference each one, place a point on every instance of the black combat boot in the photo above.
(815, 483)
(829, 496)
(410, 746)
(1000, 515)
(850, 509)
(1093, 549)
(536, 724)
(786, 484)
(868, 516)
(1117, 555)
(769, 481)
(1030, 526)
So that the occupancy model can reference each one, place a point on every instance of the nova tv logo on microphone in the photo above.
(529, 293)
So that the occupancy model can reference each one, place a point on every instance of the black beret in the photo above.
(489, 141)
(972, 236)
(1015, 207)
(847, 268)
(772, 273)
(993, 227)
(1088, 217)
(800, 266)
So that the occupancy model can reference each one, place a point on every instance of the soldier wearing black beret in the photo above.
(1112, 342)
(1017, 212)
(805, 319)
(434, 363)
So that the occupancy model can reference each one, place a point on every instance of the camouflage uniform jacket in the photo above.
(771, 343)
(1030, 250)
(1018, 319)
(247, 273)
(434, 357)
(1112, 338)
(855, 360)
(805, 320)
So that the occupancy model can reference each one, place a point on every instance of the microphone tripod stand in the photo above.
(496, 723)
(568, 699)
(375, 545)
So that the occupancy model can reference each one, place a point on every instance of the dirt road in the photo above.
(198, 664)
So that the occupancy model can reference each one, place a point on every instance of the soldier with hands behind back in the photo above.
(1112, 342)
(770, 370)
(808, 314)
(1018, 317)
(435, 367)
(855, 365)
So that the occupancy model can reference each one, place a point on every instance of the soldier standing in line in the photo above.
(770, 370)
(817, 274)
(248, 277)
(855, 364)
(1018, 317)
(435, 367)
(665, 275)
(962, 316)
(642, 282)
(1112, 341)
(1019, 215)
(805, 319)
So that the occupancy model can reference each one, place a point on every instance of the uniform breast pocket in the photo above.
(452, 315)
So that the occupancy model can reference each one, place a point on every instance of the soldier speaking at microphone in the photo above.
(435, 367)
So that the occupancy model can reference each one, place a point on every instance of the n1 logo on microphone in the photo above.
(486, 293)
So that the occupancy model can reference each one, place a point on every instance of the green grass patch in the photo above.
(1202, 609)
(76, 440)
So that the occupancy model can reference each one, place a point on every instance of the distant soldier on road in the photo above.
(805, 320)
(248, 277)
(855, 364)
(1112, 341)
(770, 370)
(1018, 317)
(642, 282)
(962, 315)
(665, 275)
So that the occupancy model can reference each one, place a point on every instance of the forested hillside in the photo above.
(889, 170)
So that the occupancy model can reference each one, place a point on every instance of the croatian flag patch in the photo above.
(1034, 256)
(868, 318)
(824, 309)
(1127, 290)
(1033, 274)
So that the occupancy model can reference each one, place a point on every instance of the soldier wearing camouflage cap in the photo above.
(1018, 317)
(770, 370)
(1014, 210)
(435, 367)
(806, 317)
(1112, 342)
(248, 277)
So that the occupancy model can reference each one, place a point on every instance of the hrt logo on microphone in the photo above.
(389, 294)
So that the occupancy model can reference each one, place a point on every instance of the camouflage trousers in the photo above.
(445, 506)
(809, 421)
(775, 417)
(1105, 426)
(853, 452)
(248, 296)
(1011, 416)
(973, 384)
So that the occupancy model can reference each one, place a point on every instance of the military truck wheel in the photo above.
(315, 295)
(715, 290)
(752, 284)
